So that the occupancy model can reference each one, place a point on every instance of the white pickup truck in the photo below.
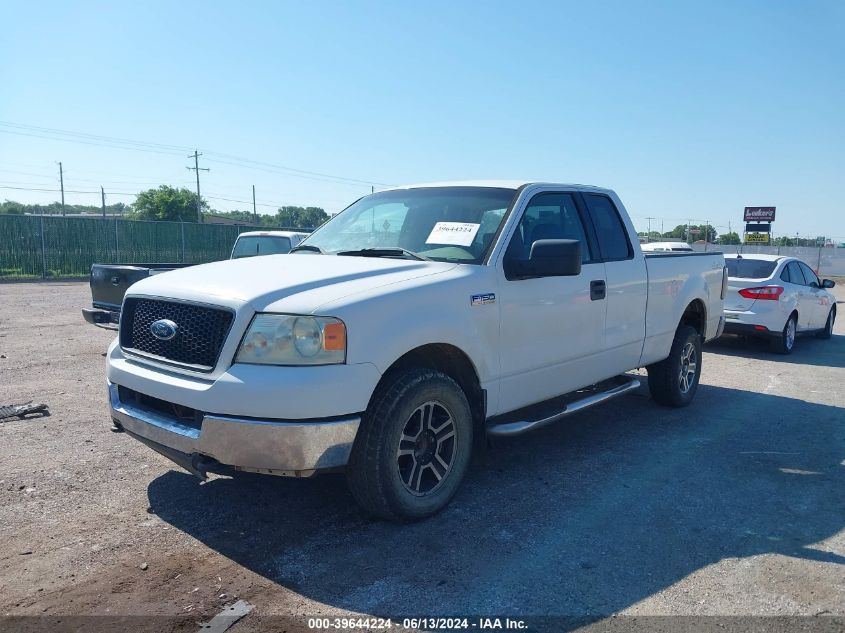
(405, 330)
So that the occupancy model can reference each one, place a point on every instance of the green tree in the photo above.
(55, 208)
(697, 232)
(167, 203)
(301, 217)
(730, 238)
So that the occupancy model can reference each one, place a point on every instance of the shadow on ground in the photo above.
(582, 519)
(808, 350)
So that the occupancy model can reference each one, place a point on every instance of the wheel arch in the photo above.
(450, 360)
(695, 315)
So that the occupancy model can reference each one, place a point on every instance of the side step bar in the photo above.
(593, 396)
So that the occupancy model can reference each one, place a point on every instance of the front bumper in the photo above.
(295, 448)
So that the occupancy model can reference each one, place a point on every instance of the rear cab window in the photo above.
(610, 230)
(750, 268)
(252, 245)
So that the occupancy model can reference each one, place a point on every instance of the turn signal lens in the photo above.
(334, 337)
(770, 293)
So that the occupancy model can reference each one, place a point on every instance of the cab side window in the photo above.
(548, 216)
(610, 231)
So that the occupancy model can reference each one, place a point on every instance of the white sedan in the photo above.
(777, 297)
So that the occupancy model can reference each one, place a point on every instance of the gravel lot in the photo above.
(733, 506)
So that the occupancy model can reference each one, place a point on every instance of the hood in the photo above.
(299, 283)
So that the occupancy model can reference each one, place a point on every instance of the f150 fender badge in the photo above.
(164, 329)
(480, 300)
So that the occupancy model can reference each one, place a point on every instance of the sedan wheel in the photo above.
(786, 341)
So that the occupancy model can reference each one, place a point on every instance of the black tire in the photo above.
(827, 332)
(382, 465)
(668, 384)
(785, 343)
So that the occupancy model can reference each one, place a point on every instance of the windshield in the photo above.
(749, 268)
(440, 223)
(252, 245)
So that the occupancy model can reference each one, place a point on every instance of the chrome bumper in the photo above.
(291, 448)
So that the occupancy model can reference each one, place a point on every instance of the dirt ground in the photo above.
(734, 506)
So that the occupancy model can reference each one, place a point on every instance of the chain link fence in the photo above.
(56, 247)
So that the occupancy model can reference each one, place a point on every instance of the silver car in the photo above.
(777, 298)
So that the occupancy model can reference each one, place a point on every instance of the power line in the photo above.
(117, 193)
(159, 148)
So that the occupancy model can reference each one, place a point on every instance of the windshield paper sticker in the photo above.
(453, 233)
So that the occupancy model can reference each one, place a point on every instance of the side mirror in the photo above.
(828, 283)
(551, 258)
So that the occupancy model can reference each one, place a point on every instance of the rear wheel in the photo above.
(674, 381)
(413, 448)
(784, 343)
(827, 332)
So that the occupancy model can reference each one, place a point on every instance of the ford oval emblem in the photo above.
(164, 329)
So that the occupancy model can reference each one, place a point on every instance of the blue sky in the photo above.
(688, 110)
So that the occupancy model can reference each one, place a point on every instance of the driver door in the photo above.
(551, 328)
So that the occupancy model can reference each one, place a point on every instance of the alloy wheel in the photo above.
(689, 366)
(427, 448)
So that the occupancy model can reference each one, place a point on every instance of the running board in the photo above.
(594, 395)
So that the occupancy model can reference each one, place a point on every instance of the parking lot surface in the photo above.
(733, 506)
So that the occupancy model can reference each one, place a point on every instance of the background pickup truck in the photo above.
(404, 331)
(109, 282)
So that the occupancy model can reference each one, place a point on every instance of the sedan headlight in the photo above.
(283, 339)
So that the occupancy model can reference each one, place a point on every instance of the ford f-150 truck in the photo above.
(406, 329)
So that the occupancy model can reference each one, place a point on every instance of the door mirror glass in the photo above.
(551, 258)
(828, 283)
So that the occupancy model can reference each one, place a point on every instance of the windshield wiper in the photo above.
(307, 247)
(386, 252)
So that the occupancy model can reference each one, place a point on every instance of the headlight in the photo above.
(282, 339)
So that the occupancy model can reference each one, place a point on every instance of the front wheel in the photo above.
(413, 448)
(784, 343)
(674, 381)
(827, 332)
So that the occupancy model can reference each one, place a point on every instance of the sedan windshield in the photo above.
(441, 223)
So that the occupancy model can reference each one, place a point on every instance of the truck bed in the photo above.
(109, 283)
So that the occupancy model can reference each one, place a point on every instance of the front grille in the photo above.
(201, 332)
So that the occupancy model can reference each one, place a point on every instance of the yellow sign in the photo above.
(756, 238)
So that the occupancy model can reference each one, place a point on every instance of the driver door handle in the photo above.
(598, 290)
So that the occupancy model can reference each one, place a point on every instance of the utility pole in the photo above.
(196, 156)
(648, 235)
(706, 233)
(62, 184)
(103, 195)
(254, 211)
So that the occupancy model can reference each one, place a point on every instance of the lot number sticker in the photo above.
(455, 233)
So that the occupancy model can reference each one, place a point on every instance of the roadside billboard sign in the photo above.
(758, 228)
(756, 238)
(759, 214)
